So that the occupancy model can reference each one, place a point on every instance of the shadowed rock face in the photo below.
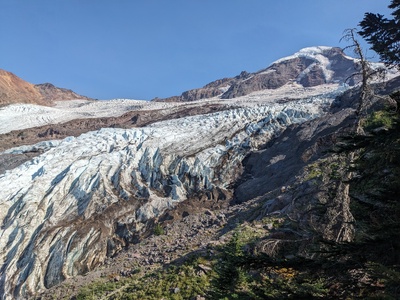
(271, 78)
(296, 147)
(309, 67)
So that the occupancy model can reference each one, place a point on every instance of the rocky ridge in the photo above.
(52, 93)
(16, 90)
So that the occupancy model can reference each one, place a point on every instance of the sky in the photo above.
(142, 49)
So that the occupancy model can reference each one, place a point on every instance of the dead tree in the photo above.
(366, 72)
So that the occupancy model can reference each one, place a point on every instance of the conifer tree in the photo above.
(384, 34)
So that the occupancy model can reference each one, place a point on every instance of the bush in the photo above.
(378, 119)
(158, 229)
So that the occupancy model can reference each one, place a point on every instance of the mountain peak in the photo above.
(312, 52)
(311, 66)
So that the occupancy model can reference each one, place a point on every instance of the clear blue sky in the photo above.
(142, 49)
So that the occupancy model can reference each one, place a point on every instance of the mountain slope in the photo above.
(16, 90)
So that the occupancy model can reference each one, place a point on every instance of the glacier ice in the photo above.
(61, 213)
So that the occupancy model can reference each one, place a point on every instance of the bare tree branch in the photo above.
(367, 74)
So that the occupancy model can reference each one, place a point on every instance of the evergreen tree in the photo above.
(384, 34)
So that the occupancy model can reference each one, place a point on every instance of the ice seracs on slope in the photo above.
(65, 211)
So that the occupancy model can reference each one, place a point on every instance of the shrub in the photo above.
(378, 119)
(158, 229)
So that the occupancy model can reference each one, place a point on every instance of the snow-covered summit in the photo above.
(309, 52)
(309, 67)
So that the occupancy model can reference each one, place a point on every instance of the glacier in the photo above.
(84, 198)
(65, 211)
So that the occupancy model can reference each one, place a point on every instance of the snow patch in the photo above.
(312, 53)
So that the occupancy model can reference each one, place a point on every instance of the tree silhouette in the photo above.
(384, 34)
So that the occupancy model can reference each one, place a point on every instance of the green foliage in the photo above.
(335, 171)
(242, 275)
(383, 34)
(158, 229)
(375, 205)
(388, 277)
(314, 171)
(382, 118)
(300, 287)
(97, 288)
(178, 283)
(317, 170)
(229, 272)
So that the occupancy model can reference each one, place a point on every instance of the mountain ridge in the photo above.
(308, 67)
(13, 90)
